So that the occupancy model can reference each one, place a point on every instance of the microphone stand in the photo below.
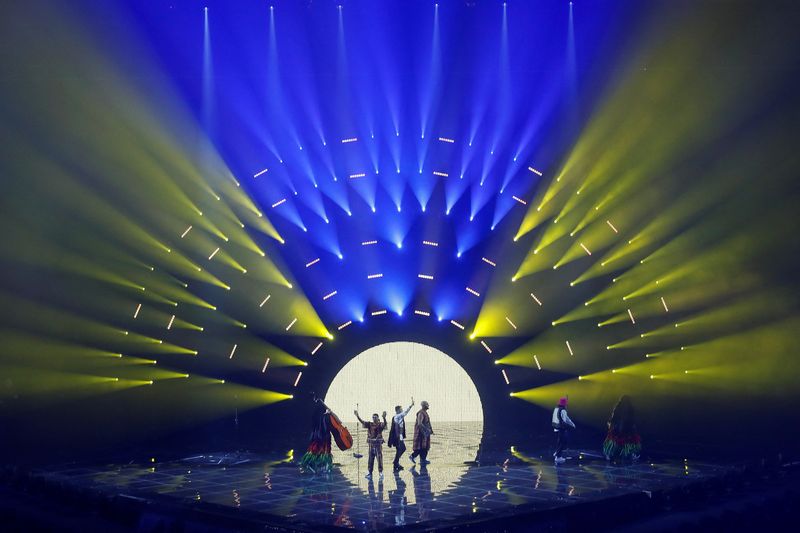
(358, 454)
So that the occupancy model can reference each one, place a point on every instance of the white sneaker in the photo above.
(368, 476)
(380, 476)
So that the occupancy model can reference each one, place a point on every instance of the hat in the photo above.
(562, 402)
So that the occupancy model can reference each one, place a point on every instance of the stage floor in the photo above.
(447, 492)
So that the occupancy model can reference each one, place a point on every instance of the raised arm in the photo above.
(409, 407)
(359, 418)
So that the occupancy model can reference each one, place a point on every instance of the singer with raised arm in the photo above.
(374, 441)
(397, 434)
(422, 435)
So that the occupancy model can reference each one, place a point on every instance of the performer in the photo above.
(398, 500)
(623, 442)
(422, 435)
(374, 441)
(318, 457)
(561, 426)
(398, 433)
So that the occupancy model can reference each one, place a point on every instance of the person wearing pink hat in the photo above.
(561, 426)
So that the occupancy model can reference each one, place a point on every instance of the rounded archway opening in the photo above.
(390, 374)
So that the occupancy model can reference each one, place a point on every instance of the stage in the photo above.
(242, 490)
(235, 232)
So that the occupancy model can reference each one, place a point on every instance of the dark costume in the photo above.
(397, 437)
(375, 442)
(623, 442)
(318, 457)
(561, 427)
(422, 435)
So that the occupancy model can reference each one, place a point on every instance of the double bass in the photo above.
(342, 436)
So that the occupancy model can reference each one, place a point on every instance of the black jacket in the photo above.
(393, 434)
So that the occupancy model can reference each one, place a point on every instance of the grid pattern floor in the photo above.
(444, 491)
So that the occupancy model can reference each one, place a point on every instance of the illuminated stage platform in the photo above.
(250, 490)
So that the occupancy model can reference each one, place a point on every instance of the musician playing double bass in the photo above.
(375, 441)
(324, 422)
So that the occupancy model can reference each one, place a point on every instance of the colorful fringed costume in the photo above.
(622, 447)
(318, 458)
(623, 442)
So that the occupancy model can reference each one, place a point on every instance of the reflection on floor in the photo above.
(448, 490)
(454, 446)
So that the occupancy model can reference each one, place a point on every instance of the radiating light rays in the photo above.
(503, 113)
(663, 145)
(746, 312)
(622, 181)
(148, 247)
(430, 87)
(653, 245)
(563, 350)
(46, 383)
(540, 260)
(277, 103)
(723, 367)
(409, 154)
